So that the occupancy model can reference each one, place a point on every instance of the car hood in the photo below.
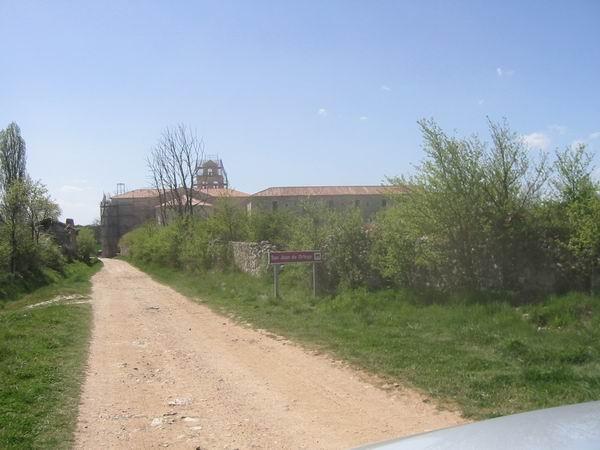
(575, 427)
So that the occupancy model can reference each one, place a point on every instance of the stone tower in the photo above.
(212, 174)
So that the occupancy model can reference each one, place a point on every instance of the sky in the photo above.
(286, 93)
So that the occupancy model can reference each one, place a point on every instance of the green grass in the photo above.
(486, 359)
(42, 356)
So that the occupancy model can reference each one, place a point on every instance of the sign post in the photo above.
(314, 280)
(276, 259)
(276, 280)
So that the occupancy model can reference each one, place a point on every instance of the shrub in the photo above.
(86, 245)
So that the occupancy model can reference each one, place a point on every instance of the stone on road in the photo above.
(164, 371)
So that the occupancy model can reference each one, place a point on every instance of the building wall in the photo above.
(211, 176)
(369, 205)
(121, 215)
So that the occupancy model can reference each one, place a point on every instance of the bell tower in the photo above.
(212, 174)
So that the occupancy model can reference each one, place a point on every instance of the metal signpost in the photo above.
(276, 259)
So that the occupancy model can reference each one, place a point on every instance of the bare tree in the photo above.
(174, 164)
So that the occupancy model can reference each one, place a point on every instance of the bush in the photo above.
(86, 245)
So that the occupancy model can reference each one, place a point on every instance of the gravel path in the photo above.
(164, 371)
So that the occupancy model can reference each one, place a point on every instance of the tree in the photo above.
(228, 221)
(14, 213)
(577, 212)
(12, 189)
(466, 218)
(39, 207)
(573, 179)
(174, 164)
(513, 184)
(12, 156)
(86, 244)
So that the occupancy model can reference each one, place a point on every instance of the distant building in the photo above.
(212, 174)
(368, 199)
(203, 202)
(125, 211)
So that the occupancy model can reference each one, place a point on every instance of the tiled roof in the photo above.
(327, 190)
(138, 193)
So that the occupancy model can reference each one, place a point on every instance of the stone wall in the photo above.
(251, 257)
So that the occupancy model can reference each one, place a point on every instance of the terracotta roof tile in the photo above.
(327, 190)
(223, 192)
(138, 193)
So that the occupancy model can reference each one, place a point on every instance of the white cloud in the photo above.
(560, 129)
(70, 188)
(480, 101)
(385, 87)
(322, 112)
(363, 118)
(536, 140)
(582, 141)
(594, 135)
(504, 72)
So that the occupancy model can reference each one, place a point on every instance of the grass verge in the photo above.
(489, 359)
(42, 356)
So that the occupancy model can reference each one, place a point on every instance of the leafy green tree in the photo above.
(513, 184)
(14, 218)
(39, 207)
(228, 221)
(86, 245)
(12, 186)
(274, 227)
(12, 156)
(464, 221)
(576, 213)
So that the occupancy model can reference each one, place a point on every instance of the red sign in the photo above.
(294, 257)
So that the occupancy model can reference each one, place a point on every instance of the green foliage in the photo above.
(274, 227)
(12, 157)
(86, 245)
(228, 221)
(475, 217)
(24, 204)
(42, 361)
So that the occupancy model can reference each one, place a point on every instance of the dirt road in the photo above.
(164, 371)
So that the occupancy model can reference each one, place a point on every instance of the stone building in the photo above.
(212, 174)
(368, 199)
(203, 202)
(122, 213)
(127, 210)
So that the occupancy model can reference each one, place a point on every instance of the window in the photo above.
(274, 205)
(384, 202)
(209, 171)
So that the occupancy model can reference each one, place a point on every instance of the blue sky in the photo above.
(287, 93)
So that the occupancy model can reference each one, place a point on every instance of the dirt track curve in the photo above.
(164, 371)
